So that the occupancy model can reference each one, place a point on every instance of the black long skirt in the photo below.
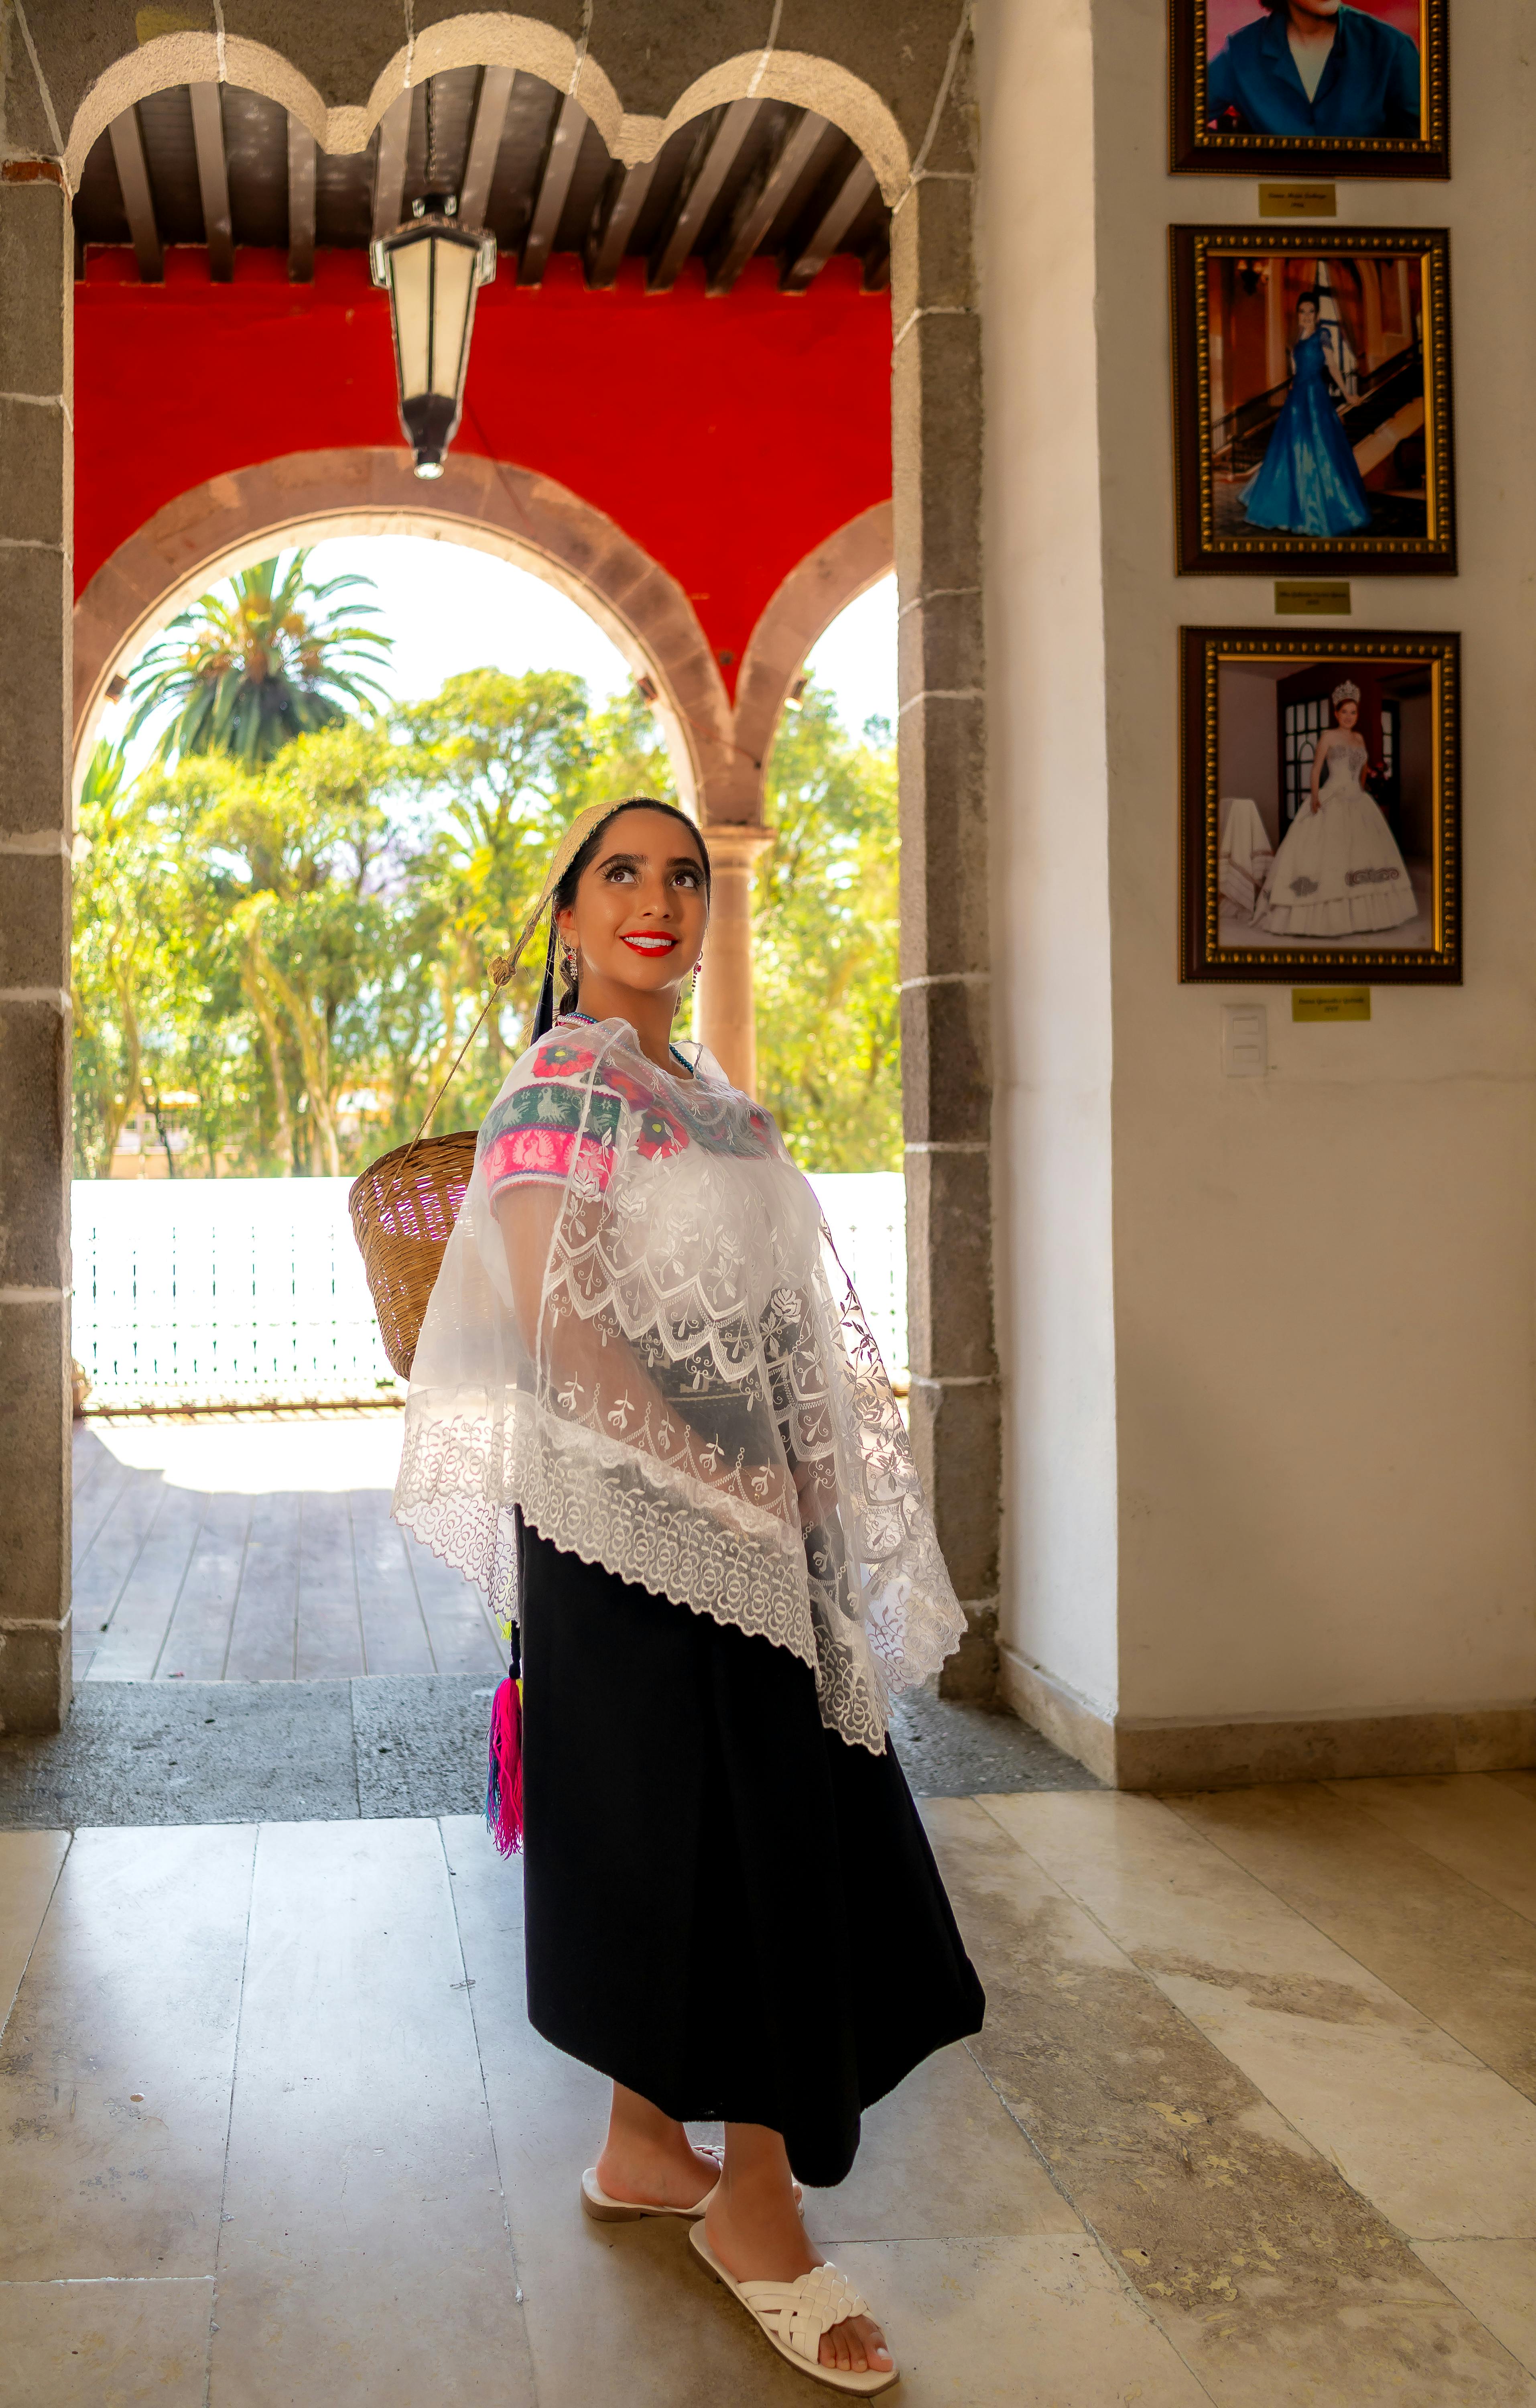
(728, 1909)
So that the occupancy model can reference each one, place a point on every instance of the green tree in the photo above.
(828, 1030)
(255, 665)
(256, 938)
(499, 764)
(294, 861)
(124, 901)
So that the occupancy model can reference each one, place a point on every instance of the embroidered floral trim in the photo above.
(449, 1495)
(544, 1153)
(559, 1059)
(1382, 877)
(1303, 885)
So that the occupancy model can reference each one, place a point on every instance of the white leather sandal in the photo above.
(596, 2204)
(793, 2316)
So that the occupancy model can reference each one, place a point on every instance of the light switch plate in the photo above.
(1245, 1040)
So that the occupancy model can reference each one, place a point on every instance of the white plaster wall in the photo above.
(1324, 1411)
(1049, 834)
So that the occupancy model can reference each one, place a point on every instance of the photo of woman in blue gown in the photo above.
(1307, 482)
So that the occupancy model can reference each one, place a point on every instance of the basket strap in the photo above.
(501, 968)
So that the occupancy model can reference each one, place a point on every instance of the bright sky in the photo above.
(450, 607)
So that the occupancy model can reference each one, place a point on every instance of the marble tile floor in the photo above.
(1253, 2122)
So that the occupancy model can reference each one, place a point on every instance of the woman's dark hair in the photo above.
(1312, 298)
(564, 894)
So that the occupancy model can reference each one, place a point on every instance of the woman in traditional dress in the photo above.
(1308, 482)
(647, 1417)
(1338, 872)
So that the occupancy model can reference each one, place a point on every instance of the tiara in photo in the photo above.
(1346, 693)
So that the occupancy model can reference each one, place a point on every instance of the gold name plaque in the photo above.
(1331, 1003)
(1312, 597)
(1298, 201)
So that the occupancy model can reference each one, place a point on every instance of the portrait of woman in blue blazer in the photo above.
(1316, 67)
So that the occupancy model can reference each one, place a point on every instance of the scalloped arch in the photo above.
(481, 39)
(808, 81)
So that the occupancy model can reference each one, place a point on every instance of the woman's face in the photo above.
(1345, 714)
(1306, 317)
(640, 908)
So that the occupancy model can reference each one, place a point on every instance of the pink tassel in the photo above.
(504, 1785)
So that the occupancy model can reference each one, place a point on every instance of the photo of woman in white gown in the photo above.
(1338, 871)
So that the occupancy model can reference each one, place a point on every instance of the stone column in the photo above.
(36, 445)
(726, 1021)
(945, 946)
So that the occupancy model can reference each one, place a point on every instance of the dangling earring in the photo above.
(698, 967)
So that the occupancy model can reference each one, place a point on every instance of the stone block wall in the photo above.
(36, 269)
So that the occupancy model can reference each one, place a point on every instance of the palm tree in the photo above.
(267, 658)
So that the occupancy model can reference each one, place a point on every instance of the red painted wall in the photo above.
(728, 438)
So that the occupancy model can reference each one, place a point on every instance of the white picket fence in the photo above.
(241, 1291)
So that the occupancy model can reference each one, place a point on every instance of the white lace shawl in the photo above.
(642, 1337)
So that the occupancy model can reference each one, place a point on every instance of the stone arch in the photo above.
(480, 39)
(808, 81)
(474, 40)
(802, 609)
(524, 517)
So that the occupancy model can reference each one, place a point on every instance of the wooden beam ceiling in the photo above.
(745, 178)
(479, 165)
(761, 201)
(711, 165)
(388, 171)
(138, 201)
(301, 203)
(208, 134)
(613, 222)
(571, 125)
(820, 237)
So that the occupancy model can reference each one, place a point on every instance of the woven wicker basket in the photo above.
(403, 1207)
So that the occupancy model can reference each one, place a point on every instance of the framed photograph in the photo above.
(1308, 87)
(1319, 830)
(1312, 400)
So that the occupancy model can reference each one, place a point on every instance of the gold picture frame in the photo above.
(1201, 141)
(1277, 883)
(1325, 358)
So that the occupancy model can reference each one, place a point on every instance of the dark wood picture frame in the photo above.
(1373, 960)
(1194, 150)
(1203, 549)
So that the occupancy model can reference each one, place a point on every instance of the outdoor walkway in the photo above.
(235, 1548)
(1251, 2123)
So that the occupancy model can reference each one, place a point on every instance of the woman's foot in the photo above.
(648, 2160)
(753, 2228)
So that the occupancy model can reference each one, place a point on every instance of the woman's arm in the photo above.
(527, 1209)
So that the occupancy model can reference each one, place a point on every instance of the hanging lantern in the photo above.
(431, 269)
